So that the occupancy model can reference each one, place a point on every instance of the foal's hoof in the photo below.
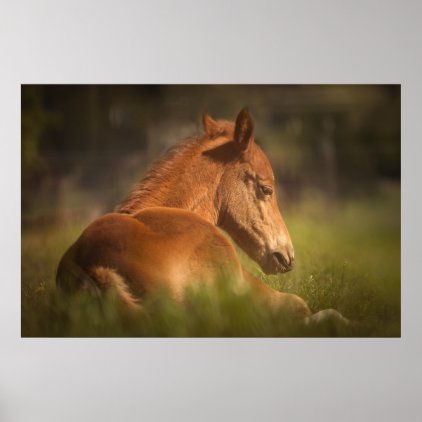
(330, 323)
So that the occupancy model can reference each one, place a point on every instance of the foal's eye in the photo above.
(266, 190)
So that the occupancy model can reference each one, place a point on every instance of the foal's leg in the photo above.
(291, 304)
(326, 322)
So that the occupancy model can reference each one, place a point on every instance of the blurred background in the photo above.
(84, 146)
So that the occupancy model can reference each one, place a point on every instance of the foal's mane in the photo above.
(162, 170)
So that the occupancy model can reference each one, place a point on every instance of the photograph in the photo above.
(211, 210)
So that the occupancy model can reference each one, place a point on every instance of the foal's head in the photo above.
(246, 195)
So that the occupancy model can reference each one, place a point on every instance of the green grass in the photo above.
(347, 258)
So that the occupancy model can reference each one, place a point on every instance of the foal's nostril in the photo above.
(283, 260)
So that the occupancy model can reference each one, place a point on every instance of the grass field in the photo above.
(347, 258)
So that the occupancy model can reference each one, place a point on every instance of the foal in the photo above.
(166, 233)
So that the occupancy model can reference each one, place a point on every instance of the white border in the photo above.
(215, 42)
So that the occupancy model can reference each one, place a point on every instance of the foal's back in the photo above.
(157, 248)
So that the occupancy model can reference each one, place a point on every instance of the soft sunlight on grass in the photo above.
(347, 258)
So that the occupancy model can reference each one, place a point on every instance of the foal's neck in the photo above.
(184, 178)
(192, 188)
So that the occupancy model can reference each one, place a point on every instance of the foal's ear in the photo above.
(243, 131)
(210, 125)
